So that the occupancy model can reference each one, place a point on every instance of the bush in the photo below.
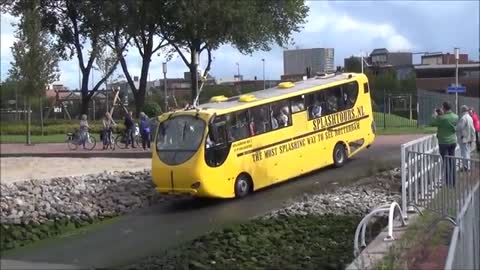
(152, 109)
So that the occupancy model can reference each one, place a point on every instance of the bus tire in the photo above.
(243, 185)
(339, 155)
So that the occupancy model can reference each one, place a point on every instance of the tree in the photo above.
(106, 60)
(78, 27)
(35, 61)
(143, 26)
(196, 26)
(353, 64)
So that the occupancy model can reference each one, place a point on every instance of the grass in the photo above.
(391, 120)
(55, 138)
(427, 231)
(405, 130)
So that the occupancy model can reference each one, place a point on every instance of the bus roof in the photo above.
(274, 93)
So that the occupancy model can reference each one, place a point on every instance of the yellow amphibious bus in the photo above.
(232, 146)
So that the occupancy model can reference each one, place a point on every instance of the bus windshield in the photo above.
(180, 133)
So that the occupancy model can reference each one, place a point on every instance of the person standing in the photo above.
(476, 125)
(130, 126)
(465, 136)
(145, 130)
(447, 140)
(83, 130)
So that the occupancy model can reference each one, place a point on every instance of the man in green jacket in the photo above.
(447, 139)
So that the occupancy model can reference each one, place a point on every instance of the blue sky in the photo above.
(351, 27)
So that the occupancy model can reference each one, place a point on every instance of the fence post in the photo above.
(404, 179)
(384, 109)
(410, 105)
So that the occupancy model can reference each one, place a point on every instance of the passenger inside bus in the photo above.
(316, 110)
(283, 117)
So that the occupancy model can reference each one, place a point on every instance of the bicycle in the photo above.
(111, 143)
(121, 139)
(73, 141)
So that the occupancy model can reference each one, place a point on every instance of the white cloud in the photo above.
(339, 27)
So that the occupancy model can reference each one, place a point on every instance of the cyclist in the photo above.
(108, 125)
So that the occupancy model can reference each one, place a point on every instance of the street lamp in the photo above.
(456, 50)
(238, 70)
(263, 62)
(164, 67)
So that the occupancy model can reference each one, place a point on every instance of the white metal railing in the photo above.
(427, 144)
(464, 250)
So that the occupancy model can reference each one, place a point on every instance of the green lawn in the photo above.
(392, 120)
(405, 130)
(56, 138)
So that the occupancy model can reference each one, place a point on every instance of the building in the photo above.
(433, 77)
(319, 60)
(443, 59)
(382, 60)
(382, 57)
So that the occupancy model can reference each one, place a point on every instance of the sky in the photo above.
(350, 27)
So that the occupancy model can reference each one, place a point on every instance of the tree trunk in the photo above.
(139, 102)
(84, 91)
(41, 115)
(29, 122)
(142, 86)
(194, 73)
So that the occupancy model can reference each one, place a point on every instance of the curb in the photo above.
(27, 265)
(82, 155)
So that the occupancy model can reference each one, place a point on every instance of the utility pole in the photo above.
(164, 65)
(238, 70)
(263, 62)
(456, 50)
(361, 59)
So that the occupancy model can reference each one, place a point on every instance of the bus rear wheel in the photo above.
(243, 185)
(339, 155)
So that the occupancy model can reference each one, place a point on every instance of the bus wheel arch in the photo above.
(243, 185)
(340, 154)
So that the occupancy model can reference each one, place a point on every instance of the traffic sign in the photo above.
(456, 89)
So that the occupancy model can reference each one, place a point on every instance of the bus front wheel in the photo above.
(339, 155)
(243, 185)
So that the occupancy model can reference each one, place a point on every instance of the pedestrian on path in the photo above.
(447, 140)
(465, 135)
(476, 125)
(83, 130)
(130, 126)
(145, 130)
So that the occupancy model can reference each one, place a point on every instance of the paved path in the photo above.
(148, 231)
(61, 150)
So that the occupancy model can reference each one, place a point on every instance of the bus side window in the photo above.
(315, 105)
(333, 99)
(350, 94)
(238, 125)
(259, 120)
(280, 114)
(298, 104)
